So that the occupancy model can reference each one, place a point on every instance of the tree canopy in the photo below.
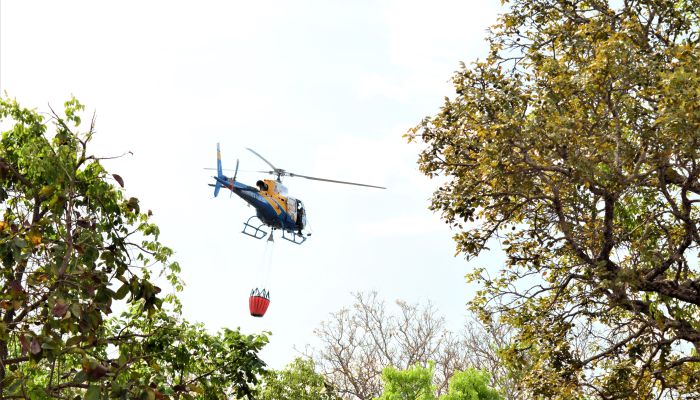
(574, 146)
(416, 383)
(73, 248)
(297, 381)
(471, 384)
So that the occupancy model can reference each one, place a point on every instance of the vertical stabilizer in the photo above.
(219, 171)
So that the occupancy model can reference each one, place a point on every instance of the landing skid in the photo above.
(252, 230)
(293, 237)
(255, 230)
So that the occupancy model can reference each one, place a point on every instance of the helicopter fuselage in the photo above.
(272, 207)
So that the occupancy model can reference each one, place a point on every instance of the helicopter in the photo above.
(274, 208)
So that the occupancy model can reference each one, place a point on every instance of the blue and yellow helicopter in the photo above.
(274, 208)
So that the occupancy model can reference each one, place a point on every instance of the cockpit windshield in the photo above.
(281, 189)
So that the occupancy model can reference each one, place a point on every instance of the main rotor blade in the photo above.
(230, 169)
(262, 158)
(334, 181)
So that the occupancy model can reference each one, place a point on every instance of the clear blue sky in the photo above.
(324, 88)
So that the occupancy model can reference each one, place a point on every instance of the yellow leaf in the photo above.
(34, 239)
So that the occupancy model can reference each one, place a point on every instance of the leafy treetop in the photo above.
(416, 383)
(71, 246)
(575, 145)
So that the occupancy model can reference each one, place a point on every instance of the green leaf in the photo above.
(47, 191)
(122, 292)
(74, 341)
(80, 377)
(93, 392)
(19, 242)
(76, 310)
(15, 386)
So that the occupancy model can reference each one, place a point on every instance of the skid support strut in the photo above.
(254, 230)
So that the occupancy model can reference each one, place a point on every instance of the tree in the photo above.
(415, 383)
(574, 145)
(358, 342)
(297, 381)
(72, 249)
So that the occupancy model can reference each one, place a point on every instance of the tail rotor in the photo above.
(233, 180)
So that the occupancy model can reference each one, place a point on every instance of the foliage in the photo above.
(359, 341)
(298, 381)
(574, 144)
(415, 383)
(73, 248)
(471, 384)
(176, 358)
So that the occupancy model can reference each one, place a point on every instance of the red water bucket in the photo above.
(258, 302)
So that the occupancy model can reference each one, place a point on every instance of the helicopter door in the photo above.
(292, 208)
(301, 216)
